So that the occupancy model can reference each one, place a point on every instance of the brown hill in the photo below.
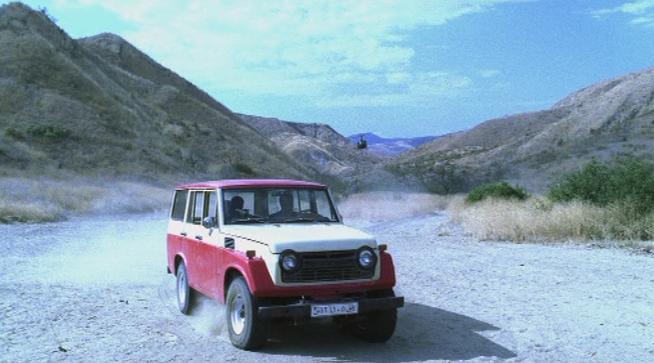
(99, 105)
(317, 146)
(534, 149)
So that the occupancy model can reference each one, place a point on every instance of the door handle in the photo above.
(184, 234)
(198, 237)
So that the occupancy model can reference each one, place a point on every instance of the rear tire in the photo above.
(376, 326)
(185, 294)
(246, 330)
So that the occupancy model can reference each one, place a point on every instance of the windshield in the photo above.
(277, 205)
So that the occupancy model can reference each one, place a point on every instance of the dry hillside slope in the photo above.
(534, 149)
(99, 104)
(316, 146)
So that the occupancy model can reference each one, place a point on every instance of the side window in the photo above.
(305, 200)
(179, 205)
(210, 210)
(196, 208)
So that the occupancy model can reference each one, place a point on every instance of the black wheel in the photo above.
(185, 294)
(246, 330)
(376, 326)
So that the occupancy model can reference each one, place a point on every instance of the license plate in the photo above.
(334, 309)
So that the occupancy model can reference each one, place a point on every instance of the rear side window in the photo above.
(213, 205)
(196, 208)
(179, 204)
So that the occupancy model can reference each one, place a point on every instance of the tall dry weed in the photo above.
(44, 200)
(538, 219)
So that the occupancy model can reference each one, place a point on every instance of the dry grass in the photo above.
(28, 212)
(45, 200)
(538, 219)
(384, 206)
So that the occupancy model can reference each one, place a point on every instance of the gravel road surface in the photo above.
(95, 289)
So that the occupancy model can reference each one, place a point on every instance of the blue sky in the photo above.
(397, 68)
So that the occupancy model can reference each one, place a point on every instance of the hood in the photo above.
(303, 237)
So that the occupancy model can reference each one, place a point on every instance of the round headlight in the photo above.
(289, 261)
(366, 258)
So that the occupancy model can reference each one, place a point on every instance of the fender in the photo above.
(248, 268)
(261, 284)
(174, 246)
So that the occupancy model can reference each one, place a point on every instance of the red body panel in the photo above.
(208, 264)
(203, 263)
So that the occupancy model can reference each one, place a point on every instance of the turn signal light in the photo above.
(250, 253)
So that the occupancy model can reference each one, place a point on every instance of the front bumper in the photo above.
(303, 309)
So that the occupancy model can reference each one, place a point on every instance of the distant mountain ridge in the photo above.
(100, 106)
(600, 121)
(388, 147)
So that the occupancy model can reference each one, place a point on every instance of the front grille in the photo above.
(328, 266)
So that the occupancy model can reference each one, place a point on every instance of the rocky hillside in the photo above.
(533, 149)
(99, 105)
(388, 147)
(316, 146)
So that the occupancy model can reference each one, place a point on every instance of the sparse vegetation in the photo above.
(501, 190)
(14, 134)
(539, 219)
(243, 168)
(625, 180)
(11, 212)
(47, 200)
(50, 133)
(603, 201)
(44, 10)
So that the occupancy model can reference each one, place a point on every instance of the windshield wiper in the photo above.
(248, 220)
(298, 219)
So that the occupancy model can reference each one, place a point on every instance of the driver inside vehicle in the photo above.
(286, 205)
(236, 210)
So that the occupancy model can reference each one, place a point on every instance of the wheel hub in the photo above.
(237, 314)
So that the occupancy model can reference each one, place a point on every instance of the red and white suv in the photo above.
(277, 249)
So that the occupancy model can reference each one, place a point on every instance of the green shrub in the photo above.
(52, 133)
(502, 190)
(14, 134)
(243, 168)
(625, 179)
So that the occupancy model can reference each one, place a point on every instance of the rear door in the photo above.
(203, 248)
(175, 240)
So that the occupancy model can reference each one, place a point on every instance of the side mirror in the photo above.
(209, 222)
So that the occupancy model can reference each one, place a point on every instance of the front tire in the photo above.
(185, 294)
(246, 330)
(376, 326)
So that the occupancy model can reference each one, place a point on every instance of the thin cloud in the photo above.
(489, 73)
(641, 12)
(311, 49)
(415, 90)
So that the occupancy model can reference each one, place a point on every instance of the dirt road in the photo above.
(95, 289)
